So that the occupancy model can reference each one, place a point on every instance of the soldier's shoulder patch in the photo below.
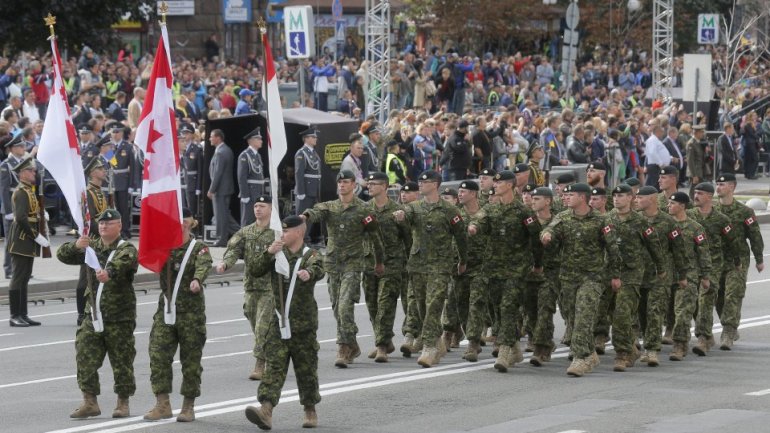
(529, 221)
(674, 234)
(727, 229)
(750, 220)
(368, 220)
(203, 250)
(457, 219)
(649, 232)
(607, 229)
(700, 238)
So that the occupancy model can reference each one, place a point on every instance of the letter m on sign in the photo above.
(708, 21)
(295, 21)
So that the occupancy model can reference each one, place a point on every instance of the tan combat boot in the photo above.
(645, 358)
(372, 354)
(677, 353)
(593, 361)
(599, 342)
(427, 357)
(457, 337)
(702, 347)
(89, 407)
(121, 409)
(259, 370)
(472, 354)
(537, 356)
(188, 410)
(447, 337)
(503, 362)
(418, 345)
(632, 357)
(578, 368)
(652, 358)
(516, 356)
(261, 416)
(342, 356)
(390, 347)
(530, 348)
(668, 337)
(620, 362)
(710, 342)
(162, 409)
(728, 338)
(407, 346)
(495, 350)
(354, 351)
(382, 354)
(567, 338)
(311, 417)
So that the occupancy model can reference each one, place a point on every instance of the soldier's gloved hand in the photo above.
(9, 217)
(42, 241)
(301, 197)
(197, 192)
(102, 276)
(130, 190)
(303, 275)
(275, 247)
(472, 230)
(399, 215)
(705, 284)
(245, 200)
(82, 242)
(545, 238)
(616, 283)
(221, 268)
(195, 286)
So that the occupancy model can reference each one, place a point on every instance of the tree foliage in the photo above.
(78, 22)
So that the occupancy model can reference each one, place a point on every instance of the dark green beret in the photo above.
(345, 175)
(378, 176)
(505, 175)
(669, 170)
(410, 186)
(647, 190)
(488, 172)
(705, 187)
(264, 198)
(430, 175)
(470, 186)
(565, 178)
(727, 177)
(542, 192)
(598, 191)
(292, 221)
(528, 188)
(449, 191)
(109, 215)
(520, 168)
(582, 188)
(680, 197)
(622, 189)
(632, 181)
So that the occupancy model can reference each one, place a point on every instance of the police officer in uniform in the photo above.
(88, 146)
(24, 241)
(251, 175)
(307, 179)
(192, 162)
(123, 180)
(8, 183)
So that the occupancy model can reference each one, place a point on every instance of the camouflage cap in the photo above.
(109, 215)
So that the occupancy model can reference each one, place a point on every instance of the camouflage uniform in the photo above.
(698, 267)
(637, 247)
(257, 300)
(667, 239)
(381, 293)
(732, 285)
(189, 331)
(512, 249)
(724, 244)
(302, 348)
(584, 240)
(348, 226)
(431, 262)
(118, 309)
(546, 287)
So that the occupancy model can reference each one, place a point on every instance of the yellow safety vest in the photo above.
(69, 85)
(112, 88)
(392, 178)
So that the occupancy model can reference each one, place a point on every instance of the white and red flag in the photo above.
(59, 151)
(276, 141)
(160, 228)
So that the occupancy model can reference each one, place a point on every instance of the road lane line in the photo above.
(30, 382)
(7, 335)
(759, 393)
(222, 322)
(52, 343)
(75, 312)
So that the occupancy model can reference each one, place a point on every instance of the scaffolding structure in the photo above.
(378, 58)
(662, 47)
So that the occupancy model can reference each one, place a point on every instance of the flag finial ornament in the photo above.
(163, 8)
(50, 21)
(261, 24)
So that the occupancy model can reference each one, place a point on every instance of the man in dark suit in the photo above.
(8, 183)
(222, 187)
(726, 150)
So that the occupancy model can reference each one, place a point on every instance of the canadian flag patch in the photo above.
(203, 250)
(456, 219)
(529, 221)
(649, 232)
(606, 229)
(749, 221)
(368, 220)
(674, 234)
(728, 228)
(700, 238)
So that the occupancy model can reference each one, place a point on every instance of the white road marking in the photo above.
(7, 335)
(75, 312)
(759, 393)
(52, 343)
(573, 431)
(222, 322)
(30, 382)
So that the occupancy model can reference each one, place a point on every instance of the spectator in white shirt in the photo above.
(29, 108)
(657, 155)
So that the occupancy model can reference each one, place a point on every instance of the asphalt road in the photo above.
(38, 389)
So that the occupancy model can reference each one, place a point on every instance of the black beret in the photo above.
(647, 190)
(598, 165)
(346, 174)
(449, 191)
(669, 170)
(520, 168)
(410, 186)
(727, 177)
(256, 133)
(186, 213)
(488, 172)
(109, 215)
(505, 175)
(706, 187)
(264, 198)
(469, 185)
(632, 181)
(378, 176)
(623, 188)
(430, 175)
(680, 197)
(292, 221)
(579, 188)
(542, 192)
(598, 191)
(529, 187)
(565, 178)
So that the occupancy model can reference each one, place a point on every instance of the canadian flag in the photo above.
(160, 229)
(59, 151)
(276, 141)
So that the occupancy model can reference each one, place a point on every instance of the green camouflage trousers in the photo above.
(404, 296)
(587, 294)
(567, 294)
(258, 308)
(455, 315)
(704, 317)
(732, 289)
(302, 350)
(189, 333)
(117, 342)
(478, 308)
(510, 309)
(344, 293)
(547, 294)
(605, 311)
(625, 317)
(685, 303)
(529, 298)
(381, 296)
(653, 304)
(670, 302)
(428, 293)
